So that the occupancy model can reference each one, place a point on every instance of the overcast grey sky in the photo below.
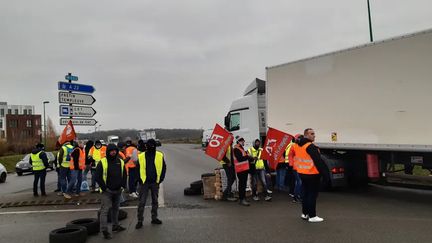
(175, 64)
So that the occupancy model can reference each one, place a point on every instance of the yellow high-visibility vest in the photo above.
(259, 164)
(159, 157)
(37, 162)
(67, 150)
(104, 163)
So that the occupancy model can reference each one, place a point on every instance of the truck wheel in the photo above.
(3, 178)
(91, 224)
(72, 234)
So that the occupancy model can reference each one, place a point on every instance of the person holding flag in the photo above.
(241, 165)
(260, 172)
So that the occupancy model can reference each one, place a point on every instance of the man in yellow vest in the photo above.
(96, 154)
(228, 166)
(151, 169)
(76, 167)
(64, 159)
(310, 166)
(111, 177)
(39, 162)
(259, 173)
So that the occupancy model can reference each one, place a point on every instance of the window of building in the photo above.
(2, 112)
(30, 112)
(10, 111)
(29, 123)
(16, 112)
(13, 123)
(2, 134)
(1, 123)
(25, 111)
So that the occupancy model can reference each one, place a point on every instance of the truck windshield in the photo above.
(234, 122)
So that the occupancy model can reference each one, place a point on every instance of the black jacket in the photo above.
(239, 156)
(42, 156)
(151, 169)
(115, 179)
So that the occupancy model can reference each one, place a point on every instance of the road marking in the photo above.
(161, 198)
(66, 210)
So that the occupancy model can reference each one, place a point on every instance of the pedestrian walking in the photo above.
(311, 167)
(77, 165)
(261, 170)
(241, 163)
(151, 169)
(111, 177)
(64, 159)
(39, 162)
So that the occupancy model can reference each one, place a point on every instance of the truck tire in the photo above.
(91, 224)
(122, 215)
(72, 234)
(208, 175)
(197, 185)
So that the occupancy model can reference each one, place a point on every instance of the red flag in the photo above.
(68, 134)
(275, 145)
(219, 142)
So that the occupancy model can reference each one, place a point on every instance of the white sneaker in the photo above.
(269, 192)
(256, 198)
(316, 219)
(134, 195)
(304, 217)
(268, 198)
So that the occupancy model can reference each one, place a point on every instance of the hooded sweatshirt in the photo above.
(115, 180)
(42, 156)
(151, 173)
(315, 154)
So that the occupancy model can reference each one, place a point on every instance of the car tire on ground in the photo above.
(197, 185)
(3, 177)
(122, 215)
(72, 234)
(191, 192)
(91, 224)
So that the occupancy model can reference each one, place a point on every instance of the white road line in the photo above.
(65, 210)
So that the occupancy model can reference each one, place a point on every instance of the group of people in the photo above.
(301, 166)
(113, 168)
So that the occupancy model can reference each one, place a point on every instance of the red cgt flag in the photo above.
(275, 145)
(68, 134)
(219, 142)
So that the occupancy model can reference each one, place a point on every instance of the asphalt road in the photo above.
(370, 215)
(24, 184)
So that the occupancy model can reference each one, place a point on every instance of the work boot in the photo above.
(244, 203)
(139, 225)
(118, 228)
(107, 235)
(156, 221)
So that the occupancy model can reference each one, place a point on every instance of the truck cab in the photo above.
(247, 114)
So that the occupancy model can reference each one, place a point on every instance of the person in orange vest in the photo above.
(241, 166)
(131, 160)
(76, 166)
(311, 167)
(298, 192)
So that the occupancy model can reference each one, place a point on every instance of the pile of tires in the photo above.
(70, 234)
(91, 224)
(196, 188)
(121, 216)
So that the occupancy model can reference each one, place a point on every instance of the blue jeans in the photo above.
(280, 179)
(259, 175)
(65, 177)
(298, 192)
(75, 181)
(132, 182)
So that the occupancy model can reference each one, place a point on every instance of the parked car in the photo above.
(24, 165)
(3, 173)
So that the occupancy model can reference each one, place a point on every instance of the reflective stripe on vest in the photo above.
(67, 150)
(159, 157)
(303, 163)
(228, 155)
(240, 166)
(259, 164)
(287, 151)
(81, 161)
(37, 162)
(104, 162)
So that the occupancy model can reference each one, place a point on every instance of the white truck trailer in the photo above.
(366, 102)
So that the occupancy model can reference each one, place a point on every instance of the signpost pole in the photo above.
(70, 81)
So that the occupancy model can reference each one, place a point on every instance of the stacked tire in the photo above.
(70, 234)
(195, 188)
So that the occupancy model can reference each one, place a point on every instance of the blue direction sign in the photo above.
(82, 88)
(71, 78)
